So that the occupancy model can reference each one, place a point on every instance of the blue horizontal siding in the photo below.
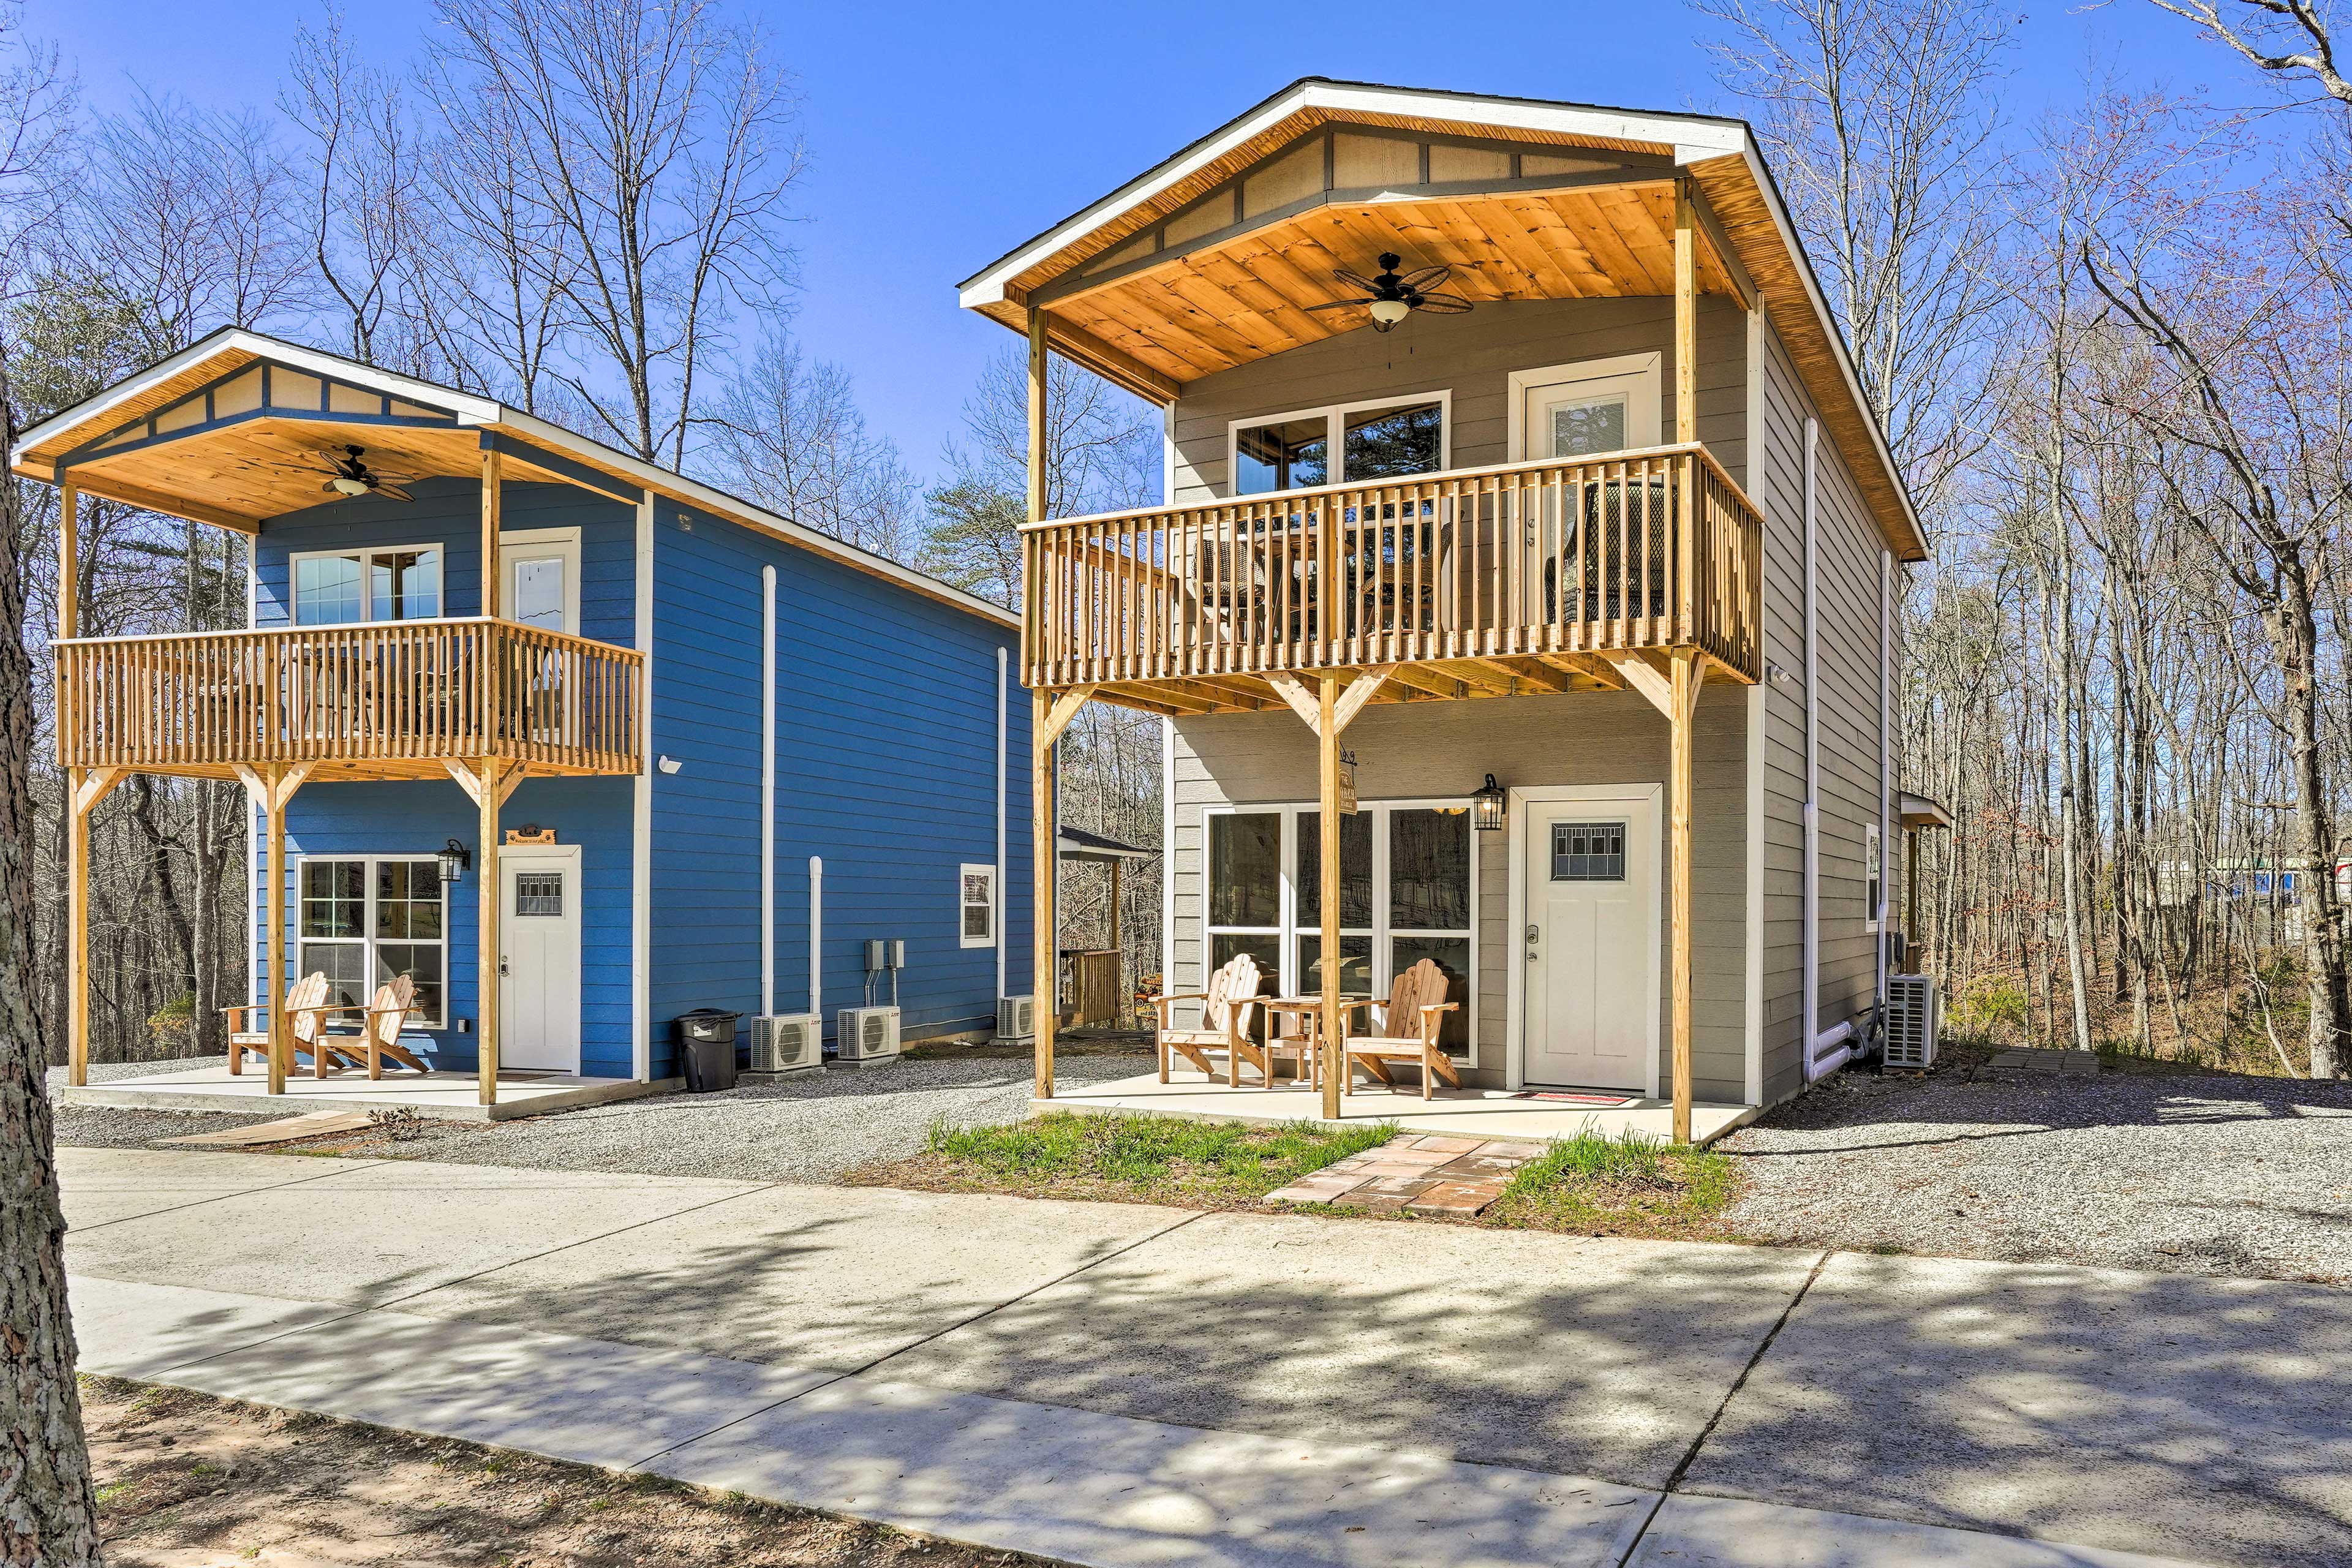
(416, 818)
(885, 760)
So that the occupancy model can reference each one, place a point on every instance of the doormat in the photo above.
(1574, 1099)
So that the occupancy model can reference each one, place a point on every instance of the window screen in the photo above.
(1587, 852)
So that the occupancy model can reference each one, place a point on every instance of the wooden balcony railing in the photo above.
(394, 697)
(1626, 550)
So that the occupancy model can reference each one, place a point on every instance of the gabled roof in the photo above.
(1750, 240)
(1078, 844)
(139, 440)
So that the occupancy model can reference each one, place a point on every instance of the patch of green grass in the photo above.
(1626, 1181)
(1149, 1156)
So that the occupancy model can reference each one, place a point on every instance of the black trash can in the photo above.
(706, 1049)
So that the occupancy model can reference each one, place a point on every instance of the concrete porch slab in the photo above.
(442, 1096)
(1464, 1112)
(1731, 1532)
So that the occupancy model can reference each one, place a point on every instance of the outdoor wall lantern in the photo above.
(453, 859)
(1486, 806)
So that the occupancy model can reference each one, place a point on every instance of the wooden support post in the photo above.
(1685, 315)
(273, 997)
(1686, 678)
(69, 565)
(76, 917)
(1045, 993)
(1036, 415)
(490, 962)
(493, 574)
(1335, 1038)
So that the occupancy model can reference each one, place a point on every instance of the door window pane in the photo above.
(538, 592)
(1355, 967)
(1428, 869)
(1451, 954)
(404, 584)
(327, 590)
(1246, 870)
(539, 893)
(1583, 425)
(1355, 870)
(1289, 456)
(1587, 852)
(1388, 442)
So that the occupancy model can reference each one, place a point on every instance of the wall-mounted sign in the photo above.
(1347, 783)
(530, 833)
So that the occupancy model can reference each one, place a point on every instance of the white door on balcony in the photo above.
(1590, 955)
(542, 578)
(1575, 411)
(539, 965)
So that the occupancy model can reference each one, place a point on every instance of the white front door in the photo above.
(539, 939)
(542, 578)
(1590, 992)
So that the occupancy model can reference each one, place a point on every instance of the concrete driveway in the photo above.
(1118, 1384)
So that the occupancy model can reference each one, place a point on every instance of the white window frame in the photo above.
(1335, 424)
(366, 941)
(969, 869)
(365, 557)
(1873, 877)
(537, 542)
(1642, 376)
(1286, 934)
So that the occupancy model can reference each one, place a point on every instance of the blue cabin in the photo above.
(691, 753)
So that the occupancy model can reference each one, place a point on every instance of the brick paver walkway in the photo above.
(2022, 1062)
(1425, 1174)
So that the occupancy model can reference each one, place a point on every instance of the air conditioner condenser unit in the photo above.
(790, 1042)
(1016, 1017)
(866, 1037)
(1910, 1022)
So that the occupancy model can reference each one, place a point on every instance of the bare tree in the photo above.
(654, 148)
(1879, 115)
(362, 175)
(787, 433)
(2290, 38)
(48, 1509)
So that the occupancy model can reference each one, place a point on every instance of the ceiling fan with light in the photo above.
(349, 476)
(1391, 297)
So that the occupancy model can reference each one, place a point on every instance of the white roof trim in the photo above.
(1691, 138)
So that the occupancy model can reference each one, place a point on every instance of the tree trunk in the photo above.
(51, 1516)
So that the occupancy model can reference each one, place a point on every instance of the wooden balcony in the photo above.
(1547, 570)
(394, 699)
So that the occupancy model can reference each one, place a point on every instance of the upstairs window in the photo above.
(345, 587)
(1380, 440)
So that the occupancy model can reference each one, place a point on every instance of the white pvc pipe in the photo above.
(1886, 755)
(1812, 938)
(996, 886)
(768, 790)
(816, 939)
(1833, 1049)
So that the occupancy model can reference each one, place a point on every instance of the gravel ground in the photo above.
(810, 1128)
(2202, 1174)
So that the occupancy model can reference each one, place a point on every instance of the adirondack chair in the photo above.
(1226, 1010)
(1409, 1024)
(306, 1015)
(380, 1036)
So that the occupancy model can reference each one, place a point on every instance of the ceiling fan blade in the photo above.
(1442, 304)
(392, 492)
(1341, 305)
(326, 489)
(1355, 280)
(1422, 281)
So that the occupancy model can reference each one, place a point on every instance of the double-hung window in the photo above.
(364, 920)
(1384, 439)
(1407, 892)
(978, 905)
(344, 588)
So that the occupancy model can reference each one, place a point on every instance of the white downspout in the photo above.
(816, 942)
(1886, 752)
(996, 885)
(1812, 938)
(768, 791)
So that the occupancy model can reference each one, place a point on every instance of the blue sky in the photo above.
(942, 135)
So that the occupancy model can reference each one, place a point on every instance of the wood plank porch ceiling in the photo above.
(1195, 312)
